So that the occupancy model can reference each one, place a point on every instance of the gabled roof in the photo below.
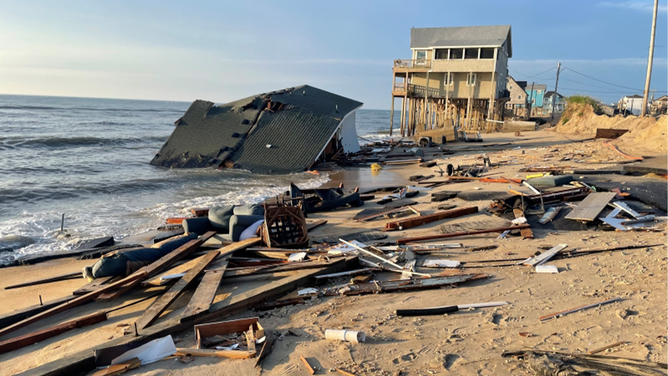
(662, 98)
(532, 87)
(296, 124)
(465, 36)
(551, 93)
(521, 84)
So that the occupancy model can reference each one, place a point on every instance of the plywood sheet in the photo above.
(591, 206)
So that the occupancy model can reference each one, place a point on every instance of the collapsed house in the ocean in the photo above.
(278, 132)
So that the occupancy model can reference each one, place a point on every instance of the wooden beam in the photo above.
(71, 304)
(58, 278)
(160, 305)
(456, 234)
(159, 265)
(414, 222)
(44, 334)
(84, 361)
(205, 293)
(229, 354)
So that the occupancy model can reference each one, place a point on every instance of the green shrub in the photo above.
(584, 100)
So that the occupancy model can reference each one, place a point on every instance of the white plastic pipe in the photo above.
(345, 335)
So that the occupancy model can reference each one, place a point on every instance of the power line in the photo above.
(589, 85)
(606, 92)
(537, 74)
(605, 82)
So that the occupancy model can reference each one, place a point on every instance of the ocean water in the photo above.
(89, 159)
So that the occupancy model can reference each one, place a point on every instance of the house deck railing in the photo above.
(408, 63)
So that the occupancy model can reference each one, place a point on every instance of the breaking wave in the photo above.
(60, 142)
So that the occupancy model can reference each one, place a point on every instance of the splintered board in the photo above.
(591, 206)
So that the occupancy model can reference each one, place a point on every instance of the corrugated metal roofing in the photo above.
(297, 123)
(472, 36)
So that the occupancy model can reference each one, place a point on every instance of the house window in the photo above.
(456, 53)
(471, 53)
(537, 91)
(470, 79)
(487, 53)
(447, 79)
(442, 54)
(421, 55)
(519, 97)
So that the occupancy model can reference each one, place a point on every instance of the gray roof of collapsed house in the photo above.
(466, 36)
(297, 122)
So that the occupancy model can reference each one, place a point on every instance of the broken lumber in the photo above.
(278, 303)
(119, 368)
(58, 278)
(41, 335)
(159, 266)
(229, 354)
(160, 305)
(21, 314)
(456, 234)
(543, 257)
(205, 293)
(84, 361)
(601, 349)
(349, 273)
(308, 366)
(403, 285)
(414, 222)
(71, 304)
(525, 232)
(572, 310)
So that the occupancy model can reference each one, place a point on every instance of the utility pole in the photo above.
(555, 95)
(530, 100)
(650, 59)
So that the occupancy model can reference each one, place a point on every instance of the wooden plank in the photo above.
(179, 269)
(95, 285)
(119, 368)
(400, 285)
(601, 349)
(41, 335)
(543, 257)
(21, 314)
(84, 361)
(160, 305)
(71, 304)
(456, 234)
(566, 312)
(159, 266)
(414, 222)
(525, 232)
(591, 206)
(229, 354)
(205, 292)
(307, 365)
(63, 277)
(609, 133)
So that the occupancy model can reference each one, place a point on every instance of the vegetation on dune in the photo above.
(577, 105)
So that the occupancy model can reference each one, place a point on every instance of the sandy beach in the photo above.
(469, 342)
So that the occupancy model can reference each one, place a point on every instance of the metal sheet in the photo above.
(591, 206)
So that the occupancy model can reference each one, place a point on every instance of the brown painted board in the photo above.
(41, 335)
(205, 293)
(414, 222)
(591, 206)
(203, 331)
(70, 304)
(231, 354)
(609, 132)
(160, 305)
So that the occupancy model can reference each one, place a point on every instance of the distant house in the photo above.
(456, 76)
(659, 105)
(631, 104)
(536, 93)
(550, 100)
(279, 132)
(607, 109)
(518, 97)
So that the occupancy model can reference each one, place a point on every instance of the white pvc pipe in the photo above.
(345, 335)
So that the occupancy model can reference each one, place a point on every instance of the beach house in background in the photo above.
(536, 93)
(659, 105)
(282, 131)
(631, 104)
(550, 100)
(517, 105)
(456, 77)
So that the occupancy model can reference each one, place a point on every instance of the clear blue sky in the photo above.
(221, 51)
